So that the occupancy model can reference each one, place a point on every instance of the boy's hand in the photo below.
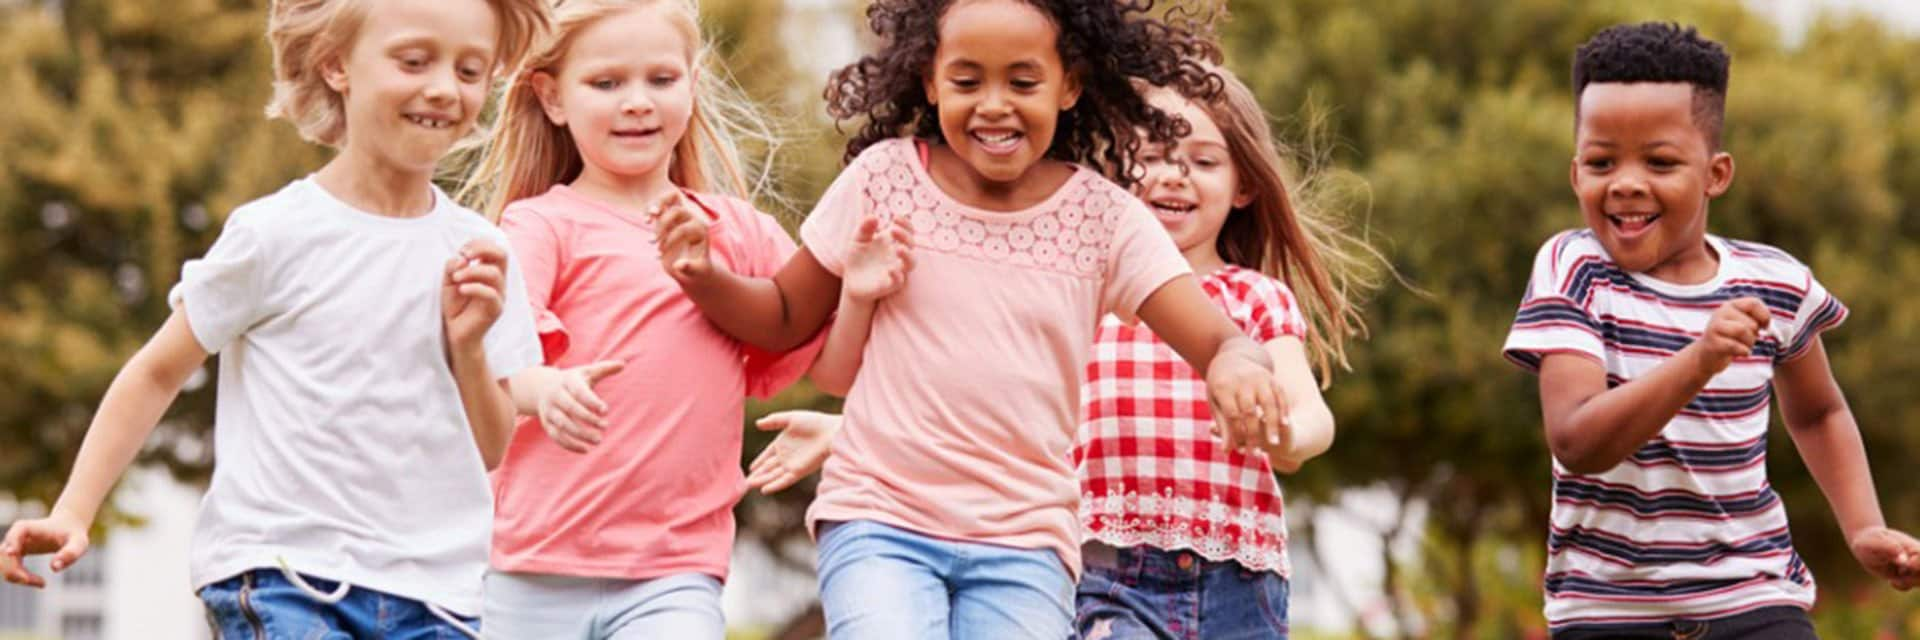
(1249, 408)
(1889, 555)
(878, 263)
(800, 449)
(472, 291)
(570, 412)
(65, 538)
(1731, 333)
(683, 235)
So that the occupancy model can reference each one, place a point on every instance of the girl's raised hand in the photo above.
(683, 235)
(878, 262)
(570, 412)
(799, 450)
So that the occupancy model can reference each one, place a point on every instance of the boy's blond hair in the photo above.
(305, 34)
(525, 154)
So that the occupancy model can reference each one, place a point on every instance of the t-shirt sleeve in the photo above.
(1819, 311)
(1141, 260)
(759, 247)
(539, 249)
(511, 343)
(828, 230)
(1549, 321)
(222, 292)
(1272, 311)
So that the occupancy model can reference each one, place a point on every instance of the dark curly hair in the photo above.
(1108, 44)
(1658, 52)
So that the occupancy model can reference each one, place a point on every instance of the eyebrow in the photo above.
(1019, 65)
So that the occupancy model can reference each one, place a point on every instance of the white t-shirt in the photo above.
(340, 442)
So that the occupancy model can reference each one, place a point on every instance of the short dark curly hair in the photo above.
(1108, 44)
(1659, 52)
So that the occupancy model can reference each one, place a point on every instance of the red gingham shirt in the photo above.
(1151, 470)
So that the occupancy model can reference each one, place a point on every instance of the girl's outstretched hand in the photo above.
(799, 450)
(570, 412)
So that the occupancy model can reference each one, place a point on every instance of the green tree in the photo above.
(132, 129)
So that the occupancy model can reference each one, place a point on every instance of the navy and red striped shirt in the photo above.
(1688, 526)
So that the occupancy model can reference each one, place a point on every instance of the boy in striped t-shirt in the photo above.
(1656, 344)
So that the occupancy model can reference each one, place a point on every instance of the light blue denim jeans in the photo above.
(884, 583)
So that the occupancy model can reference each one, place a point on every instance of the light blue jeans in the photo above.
(884, 583)
(529, 605)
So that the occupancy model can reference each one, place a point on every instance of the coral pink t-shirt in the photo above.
(960, 420)
(656, 496)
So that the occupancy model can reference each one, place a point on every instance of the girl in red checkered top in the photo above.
(1185, 537)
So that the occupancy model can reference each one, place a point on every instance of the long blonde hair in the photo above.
(525, 154)
(1294, 235)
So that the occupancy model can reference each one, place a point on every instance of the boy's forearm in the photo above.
(1830, 445)
(489, 406)
(1603, 431)
(839, 360)
(133, 404)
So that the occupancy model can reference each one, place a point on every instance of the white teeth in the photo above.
(997, 139)
(430, 123)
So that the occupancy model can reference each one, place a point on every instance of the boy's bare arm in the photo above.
(134, 403)
(1591, 428)
(1823, 429)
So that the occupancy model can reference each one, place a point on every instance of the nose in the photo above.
(1627, 186)
(636, 102)
(995, 103)
(443, 86)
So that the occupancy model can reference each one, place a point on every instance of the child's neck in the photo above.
(1694, 266)
(964, 183)
(374, 186)
(1204, 258)
(628, 191)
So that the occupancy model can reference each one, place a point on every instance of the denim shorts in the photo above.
(1148, 593)
(265, 604)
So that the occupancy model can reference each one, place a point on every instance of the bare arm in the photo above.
(1246, 397)
(488, 403)
(839, 361)
(877, 267)
(1309, 430)
(774, 314)
(1591, 428)
(134, 403)
(1824, 431)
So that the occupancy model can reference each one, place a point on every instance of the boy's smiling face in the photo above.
(1644, 171)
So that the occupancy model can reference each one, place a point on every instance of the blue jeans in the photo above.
(1145, 592)
(682, 606)
(884, 583)
(1769, 623)
(262, 604)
